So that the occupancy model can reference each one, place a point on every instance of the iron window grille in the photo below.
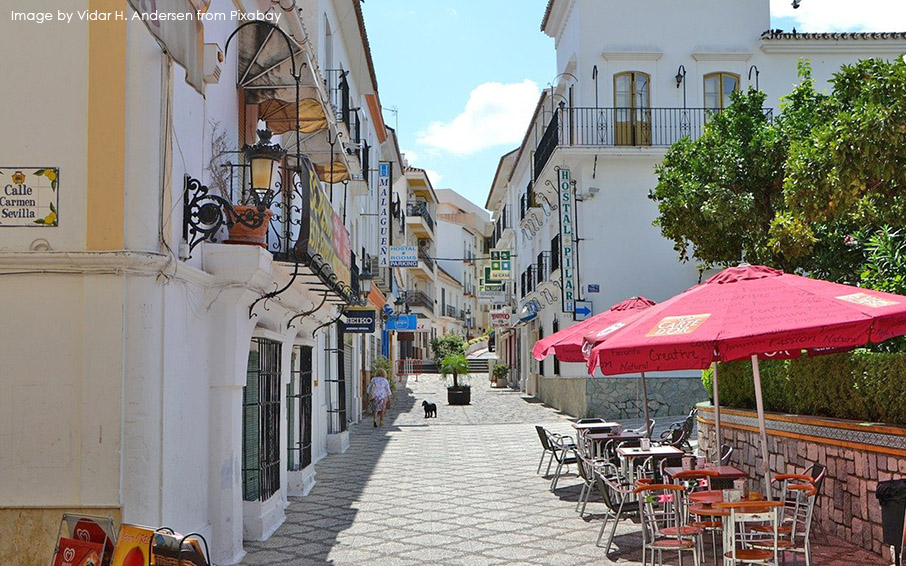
(336, 386)
(261, 422)
(298, 409)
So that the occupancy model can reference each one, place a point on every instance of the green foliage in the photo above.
(859, 385)
(447, 344)
(718, 195)
(455, 364)
(796, 192)
(500, 371)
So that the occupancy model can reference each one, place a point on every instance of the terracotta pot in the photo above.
(242, 234)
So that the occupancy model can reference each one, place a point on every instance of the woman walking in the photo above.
(379, 394)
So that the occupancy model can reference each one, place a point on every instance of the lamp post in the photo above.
(366, 279)
(681, 80)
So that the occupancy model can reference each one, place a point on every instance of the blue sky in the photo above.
(464, 75)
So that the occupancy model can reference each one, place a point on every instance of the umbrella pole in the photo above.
(762, 429)
(645, 406)
(716, 411)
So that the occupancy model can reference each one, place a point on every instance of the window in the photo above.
(718, 87)
(555, 327)
(632, 112)
(298, 409)
(261, 422)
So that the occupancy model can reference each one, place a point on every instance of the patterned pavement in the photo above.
(457, 490)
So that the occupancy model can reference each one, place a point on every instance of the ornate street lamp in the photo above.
(265, 158)
(365, 281)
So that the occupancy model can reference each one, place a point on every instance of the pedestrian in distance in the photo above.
(379, 395)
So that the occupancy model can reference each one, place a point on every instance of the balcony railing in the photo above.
(450, 311)
(419, 208)
(621, 127)
(427, 259)
(420, 299)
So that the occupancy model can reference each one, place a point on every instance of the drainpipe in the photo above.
(294, 19)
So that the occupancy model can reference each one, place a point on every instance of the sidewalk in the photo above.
(459, 490)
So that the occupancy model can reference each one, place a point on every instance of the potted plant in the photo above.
(456, 364)
(500, 373)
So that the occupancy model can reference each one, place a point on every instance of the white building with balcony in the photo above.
(155, 371)
(628, 84)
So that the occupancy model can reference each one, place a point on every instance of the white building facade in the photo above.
(626, 87)
(154, 370)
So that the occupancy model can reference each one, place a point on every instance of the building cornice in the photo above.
(721, 55)
(632, 54)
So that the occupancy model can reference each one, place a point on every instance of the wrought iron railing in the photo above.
(420, 299)
(615, 126)
(338, 93)
(429, 262)
(450, 310)
(420, 208)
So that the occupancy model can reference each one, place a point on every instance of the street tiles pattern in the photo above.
(457, 490)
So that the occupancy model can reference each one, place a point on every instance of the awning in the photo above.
(281, 118)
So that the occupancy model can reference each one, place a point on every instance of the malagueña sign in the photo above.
(567, 241)
(29, 196)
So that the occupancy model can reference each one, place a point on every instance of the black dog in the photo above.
(430, 409)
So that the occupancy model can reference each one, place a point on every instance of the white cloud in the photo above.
(495, 114)
(435, 177)
(843, 15)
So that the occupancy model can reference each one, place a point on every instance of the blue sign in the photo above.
(402, 323)
(582, 310)
(594, 288)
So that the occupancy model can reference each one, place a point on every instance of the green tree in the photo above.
(718, 195)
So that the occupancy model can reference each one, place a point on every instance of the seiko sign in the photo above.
(360, 321)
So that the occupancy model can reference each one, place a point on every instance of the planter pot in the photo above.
(459, 395)
(242, 234)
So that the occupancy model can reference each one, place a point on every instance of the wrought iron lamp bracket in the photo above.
(204, 214)
(313, 310)
(277, 290)
(328, 323)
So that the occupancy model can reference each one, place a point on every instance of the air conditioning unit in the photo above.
(424, 243)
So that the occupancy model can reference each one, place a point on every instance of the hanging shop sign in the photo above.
(28, 196)
(322, 232)
(501, 264)
(486, 297)
(403, 256)
(384, 214)
(182, 38)
(402, 322)
(583, 310)
(568, 241)
(360, 320)
(500, 319)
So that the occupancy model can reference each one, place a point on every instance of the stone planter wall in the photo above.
(857, 456)
(621, 398)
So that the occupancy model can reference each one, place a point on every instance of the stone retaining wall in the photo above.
(620, 398)
(857, 456)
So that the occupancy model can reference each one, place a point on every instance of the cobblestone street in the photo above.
(459, 490)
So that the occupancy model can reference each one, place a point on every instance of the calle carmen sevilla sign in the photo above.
(28, 196)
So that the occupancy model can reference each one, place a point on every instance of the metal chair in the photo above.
(586, 467)
(646, 430)
(664, 525)
(617, 497)
(798, 496)
(700, 480)
(722, 456)
(679, 433)
(745, 548)
(563, 452)
(547, 450)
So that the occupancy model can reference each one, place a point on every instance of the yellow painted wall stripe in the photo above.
(105, 217)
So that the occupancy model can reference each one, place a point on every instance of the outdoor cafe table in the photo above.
(629, 455)
(723, 479)
(600, 439)
(595, 427)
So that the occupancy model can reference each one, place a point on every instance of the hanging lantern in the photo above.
(264, 158)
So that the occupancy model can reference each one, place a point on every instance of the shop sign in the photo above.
(384, 214)
(28, 196)
(501, 264)
(403, 256)
(594, 288)
(568, 241)
(402, 322)
(360, 321)
(495, 287)
(500, 319)
(486, 297)
(322, 231)
(423, 325)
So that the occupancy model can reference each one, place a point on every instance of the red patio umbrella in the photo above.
(753, 312)
(568, 345)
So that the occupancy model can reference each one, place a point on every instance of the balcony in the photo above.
(419, 218)
(450, 311)
(420, 299)
(620, 127)
(423, 257)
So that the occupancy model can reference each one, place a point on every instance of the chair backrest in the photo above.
(689, 423)
(607, 481)
(817, 471)
(660, 506)
(650, 430)
(695, 480)
(543, 436)
(746, 514)
(585, 465)
(725, 451)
